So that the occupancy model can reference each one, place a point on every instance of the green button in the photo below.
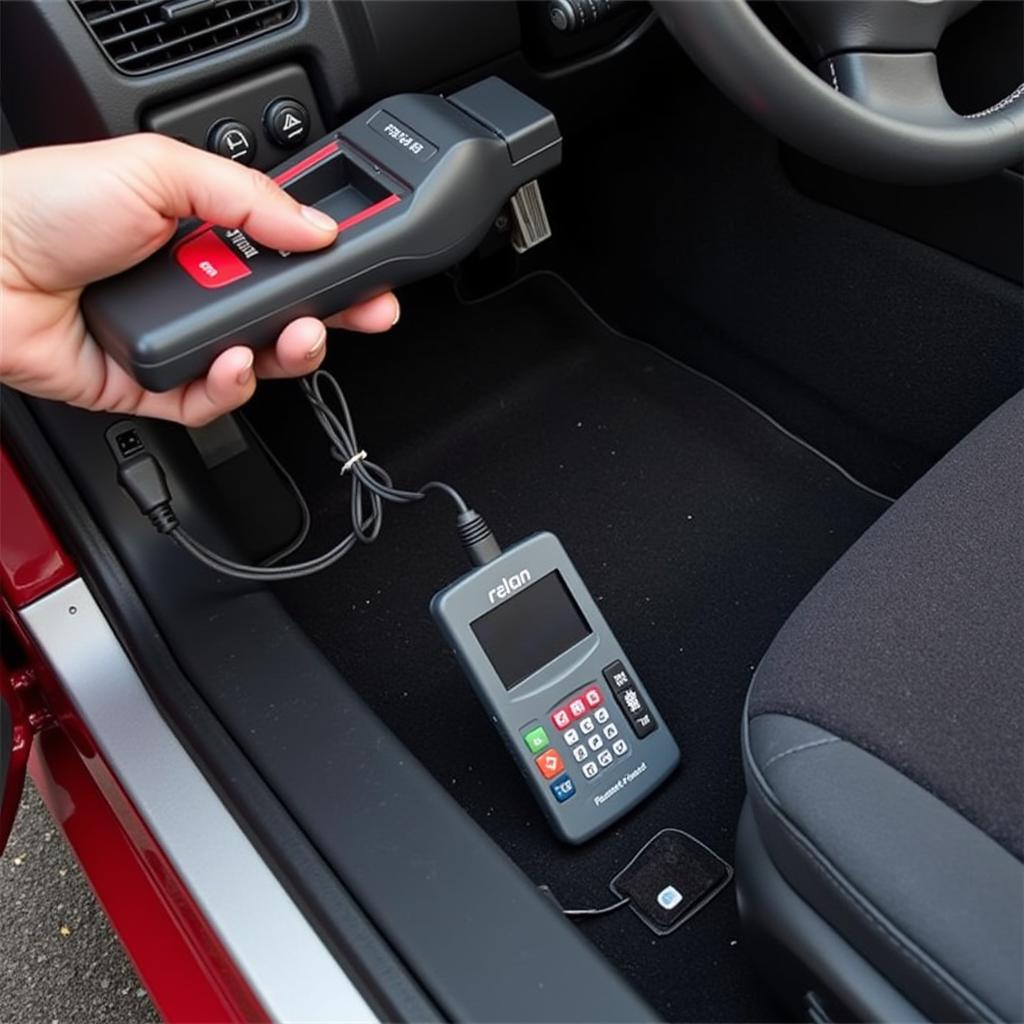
(537, 740)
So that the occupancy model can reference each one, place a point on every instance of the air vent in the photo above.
(140, 36)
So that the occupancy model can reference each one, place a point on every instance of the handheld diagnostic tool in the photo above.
(414, 183)
(557, 685)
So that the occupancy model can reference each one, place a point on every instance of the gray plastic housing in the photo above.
(415, 182)
(531, 702)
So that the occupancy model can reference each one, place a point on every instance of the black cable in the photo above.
(588, 911)
(141, 475)
(596, 911)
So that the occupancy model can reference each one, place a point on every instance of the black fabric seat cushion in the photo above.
(884, 743)
(912, 647)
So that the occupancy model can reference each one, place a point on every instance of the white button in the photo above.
(580, 753)
(572, 737)
(619, 746)
(601, 714)
(604, 758)
(587, 725)
(670, 897)
(611, 731)
(595, 741)
(589, 770)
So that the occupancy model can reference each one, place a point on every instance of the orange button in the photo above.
(550, 764)
(209, 261)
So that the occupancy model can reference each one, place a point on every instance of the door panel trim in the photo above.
(291, 972)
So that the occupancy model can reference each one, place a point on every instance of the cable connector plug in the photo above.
(476, 537)
(141, 477)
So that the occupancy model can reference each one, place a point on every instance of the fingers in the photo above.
(303, 343)
(187, 182)
(299, 350)
(229, 383)
(231, 380)
(371, 317)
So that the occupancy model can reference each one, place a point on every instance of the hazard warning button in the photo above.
(287, 123)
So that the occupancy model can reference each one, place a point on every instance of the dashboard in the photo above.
(256, 79)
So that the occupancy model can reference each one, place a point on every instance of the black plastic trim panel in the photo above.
(352, 51)
(95, 100)
(246, 100)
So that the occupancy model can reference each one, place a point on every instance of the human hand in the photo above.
(72, 215)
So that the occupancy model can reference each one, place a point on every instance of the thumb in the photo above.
(192, 183)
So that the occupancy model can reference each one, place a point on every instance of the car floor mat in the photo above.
(696, 521)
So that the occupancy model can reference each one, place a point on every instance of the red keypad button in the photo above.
(550, 764)
(561, 718)
(210, 261)
(577, 707)
(592, 695)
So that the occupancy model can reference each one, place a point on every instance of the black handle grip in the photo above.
(414, 183)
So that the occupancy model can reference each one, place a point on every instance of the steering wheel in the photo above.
(875, 108)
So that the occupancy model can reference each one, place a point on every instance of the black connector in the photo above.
(476, 537)
(141, 476)
(128, 442)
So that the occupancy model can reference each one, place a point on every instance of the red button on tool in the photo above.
(550, 764)
(561, 718)
(577, 708)
(211, 262)
(592, 696)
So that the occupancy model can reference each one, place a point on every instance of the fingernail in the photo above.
(245, 373)
(317, 347)
(319, 219)
(398, 313)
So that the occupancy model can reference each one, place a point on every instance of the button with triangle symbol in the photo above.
(287, 123)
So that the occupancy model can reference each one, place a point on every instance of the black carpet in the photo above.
(696, 523)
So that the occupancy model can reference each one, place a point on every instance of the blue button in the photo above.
(563, 788)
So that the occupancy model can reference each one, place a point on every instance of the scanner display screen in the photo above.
(534, 622)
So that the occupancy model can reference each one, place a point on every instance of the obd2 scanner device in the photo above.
(557, 686)
(414, 183)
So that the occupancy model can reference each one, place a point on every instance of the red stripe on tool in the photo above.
(311, 161)
(293, 172)
(285, 176)
(370, 211)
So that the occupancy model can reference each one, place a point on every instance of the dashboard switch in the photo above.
(287, 123)
(573, 15)
(233, 140)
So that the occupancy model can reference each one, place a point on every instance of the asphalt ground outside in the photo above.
(60, 960)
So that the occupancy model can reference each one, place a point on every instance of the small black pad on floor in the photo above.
(671, 879)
